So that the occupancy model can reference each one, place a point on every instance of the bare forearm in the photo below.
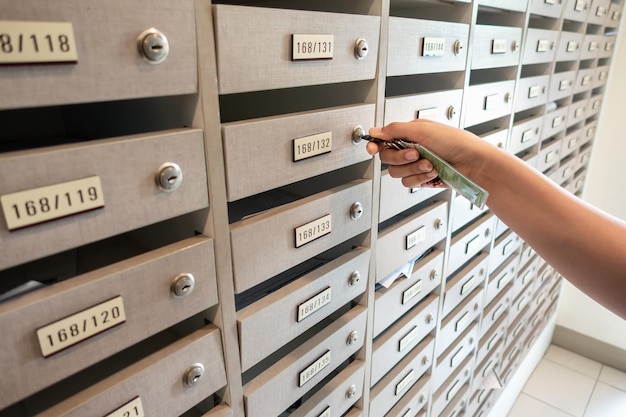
(585, 245)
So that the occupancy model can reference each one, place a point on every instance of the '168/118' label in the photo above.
(25, 42)
(80, 326)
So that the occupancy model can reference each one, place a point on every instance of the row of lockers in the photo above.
(324, 324)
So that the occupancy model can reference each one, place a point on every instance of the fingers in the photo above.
(422, 167)
(419, 180)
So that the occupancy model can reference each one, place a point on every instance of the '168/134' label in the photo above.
(80, 326)
(313, 230)
(23, 42)
(313, 304)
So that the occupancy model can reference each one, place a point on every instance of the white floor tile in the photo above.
(613, 377)
(560, 387)
(606, 401)
(527, 406)
(574, 361)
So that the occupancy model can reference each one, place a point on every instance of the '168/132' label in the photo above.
(26, 208)
(313, 145)
(23, 42)
(80, 326)
(313, 230)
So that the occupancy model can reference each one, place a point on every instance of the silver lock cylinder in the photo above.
(434, 274)
(357, 134)
(182, 285)
(353, 338)
(193, 374)
(457, 47)
(169, 176)
(153, 45)
(356, 211)
(439, 224)
(354, 278)
(361, 48)
(351, 391)
(451, 113)
(515, 46)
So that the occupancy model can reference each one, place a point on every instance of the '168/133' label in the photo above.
(80, 326)
(313, 230)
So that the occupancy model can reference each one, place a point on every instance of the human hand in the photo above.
(458, 147)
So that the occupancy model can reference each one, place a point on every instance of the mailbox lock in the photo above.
(354, 278)
(153, 45)
(430, 318)
(434, 274)
(356, 211)
(422, 399)
(515, 46)
(193, 374)
(183, 284)
(425, 360)
(439, 224)
(361, 48)
(169, 176)
(457, 47)
(353, 337)
(351, 391)
(451, 112)
(357, 134)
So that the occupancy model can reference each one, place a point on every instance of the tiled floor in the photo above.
(565, 384)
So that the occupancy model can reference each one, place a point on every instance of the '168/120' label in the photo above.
(80, 326)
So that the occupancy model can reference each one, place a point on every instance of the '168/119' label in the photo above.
(80, 326)
(38, 205)
(313, 230)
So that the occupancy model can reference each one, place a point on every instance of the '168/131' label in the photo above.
(313, 230)
(26, 208)
(80, 326)
(306, 47)
(23, 42)
(133, 408)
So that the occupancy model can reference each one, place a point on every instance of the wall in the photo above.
(577, 312)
